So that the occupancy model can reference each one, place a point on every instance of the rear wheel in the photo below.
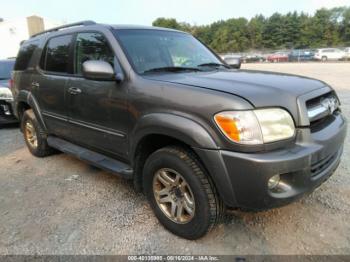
(34, 136)
(180, 193)
(324, 58)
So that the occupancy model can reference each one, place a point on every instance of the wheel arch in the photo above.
(157, 130)
(160, 130)
(175, 126)
(25, 100)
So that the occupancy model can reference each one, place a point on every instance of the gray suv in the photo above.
(158, 107)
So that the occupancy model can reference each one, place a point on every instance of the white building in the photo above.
(14, 31)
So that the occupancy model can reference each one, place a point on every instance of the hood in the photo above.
(261, 89)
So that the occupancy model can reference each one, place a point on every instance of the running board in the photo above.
(96, 159)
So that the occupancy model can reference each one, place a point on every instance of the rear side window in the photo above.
(25, 55)
(56, 55)
(91, 46)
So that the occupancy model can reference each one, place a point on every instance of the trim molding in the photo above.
(115, 133)
(87, 125)
(54, 116)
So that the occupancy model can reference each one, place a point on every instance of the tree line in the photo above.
(326, 28)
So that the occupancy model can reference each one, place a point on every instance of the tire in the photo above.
(40, 148)
(207, 209)
(324, 58)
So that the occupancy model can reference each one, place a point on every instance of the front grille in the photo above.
(322, 108)
(316, 100)
(322, 165)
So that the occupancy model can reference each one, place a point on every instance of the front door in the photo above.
(97, 109)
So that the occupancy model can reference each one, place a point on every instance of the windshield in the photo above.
(5, 69)
(154, 49)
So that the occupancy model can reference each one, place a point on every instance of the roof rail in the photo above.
(82, 23)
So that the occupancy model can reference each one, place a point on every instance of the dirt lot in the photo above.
(59, 205)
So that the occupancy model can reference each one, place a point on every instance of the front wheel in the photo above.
(180, 192)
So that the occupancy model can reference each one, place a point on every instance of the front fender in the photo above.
(179, 127)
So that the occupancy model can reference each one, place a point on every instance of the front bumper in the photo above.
(6, 113)
(302, 167)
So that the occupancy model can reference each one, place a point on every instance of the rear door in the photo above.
(50, 81)
(98, 112)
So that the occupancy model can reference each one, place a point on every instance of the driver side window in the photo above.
(91, 46)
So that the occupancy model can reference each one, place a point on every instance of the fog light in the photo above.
(273, 181)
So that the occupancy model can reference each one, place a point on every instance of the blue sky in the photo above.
(143, 12)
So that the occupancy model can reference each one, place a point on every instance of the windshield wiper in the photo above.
(172, 69)
(213, 65)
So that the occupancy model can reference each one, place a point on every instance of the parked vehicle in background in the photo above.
(347, 53)
(253, 58)
(6, 98)
(157, 106)
(234, 61)
(325, 54)
(278, 57)
(298, 55)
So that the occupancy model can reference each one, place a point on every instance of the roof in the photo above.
(92, 23)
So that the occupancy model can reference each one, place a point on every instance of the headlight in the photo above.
(5, 93)
(256, 126)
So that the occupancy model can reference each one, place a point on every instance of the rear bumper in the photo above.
(302, 168)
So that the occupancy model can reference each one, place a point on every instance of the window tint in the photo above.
(91, 46)
(56, 58)
(25, 54)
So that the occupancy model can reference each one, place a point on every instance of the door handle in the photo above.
(35, 84)
(74, 90)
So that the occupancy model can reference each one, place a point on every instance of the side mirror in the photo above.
(233, 62)
(98, 70)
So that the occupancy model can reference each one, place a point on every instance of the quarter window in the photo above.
(25, 55)
(91, 46)
(56, 58)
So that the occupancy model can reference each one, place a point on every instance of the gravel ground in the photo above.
(59, 205)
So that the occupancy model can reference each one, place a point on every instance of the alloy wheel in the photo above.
(173, 195)
(31, 134)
